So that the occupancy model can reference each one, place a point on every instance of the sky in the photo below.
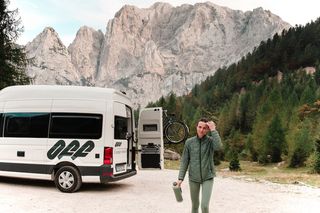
(67, 16)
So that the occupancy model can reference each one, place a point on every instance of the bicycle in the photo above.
(174, 131)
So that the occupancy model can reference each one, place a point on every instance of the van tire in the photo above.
(68, 179)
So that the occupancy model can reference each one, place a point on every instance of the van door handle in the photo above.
(20, 153)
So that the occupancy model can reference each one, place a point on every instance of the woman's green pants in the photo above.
(206, 189)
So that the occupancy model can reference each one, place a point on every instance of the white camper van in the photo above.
(68, 134)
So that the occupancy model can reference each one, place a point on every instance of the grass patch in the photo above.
(277, 173)
(172, 164)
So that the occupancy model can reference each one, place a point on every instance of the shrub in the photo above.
(234, 164)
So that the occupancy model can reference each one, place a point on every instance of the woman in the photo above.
(197, 157)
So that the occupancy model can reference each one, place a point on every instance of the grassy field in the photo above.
(278, 173)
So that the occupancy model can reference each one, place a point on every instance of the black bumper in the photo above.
(108, 176)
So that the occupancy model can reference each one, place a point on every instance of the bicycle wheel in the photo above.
(176, 132)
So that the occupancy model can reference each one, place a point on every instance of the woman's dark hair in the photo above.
(203, 120)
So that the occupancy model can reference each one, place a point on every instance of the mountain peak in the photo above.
(48, 30)
(85, 50)
(258, 9)
(126, 9)
(86, 28)
(160, 5)
(85, 32)
(48, 39)
(50, 35)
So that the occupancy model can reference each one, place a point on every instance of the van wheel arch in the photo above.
(61, 164)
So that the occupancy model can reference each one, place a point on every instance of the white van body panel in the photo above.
(33, 105)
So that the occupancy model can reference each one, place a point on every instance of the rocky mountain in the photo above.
(151, 52)
(51, 61)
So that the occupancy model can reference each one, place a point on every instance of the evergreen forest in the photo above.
(267, 105)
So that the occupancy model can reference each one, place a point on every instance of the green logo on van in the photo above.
(73, 149)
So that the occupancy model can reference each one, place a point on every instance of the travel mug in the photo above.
(177, 192)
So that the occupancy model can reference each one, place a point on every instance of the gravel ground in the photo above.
(150, 192)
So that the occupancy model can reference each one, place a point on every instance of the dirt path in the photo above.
(150, 192)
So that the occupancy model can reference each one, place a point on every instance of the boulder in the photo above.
(171, 155)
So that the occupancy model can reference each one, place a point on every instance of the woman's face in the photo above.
(202, 129)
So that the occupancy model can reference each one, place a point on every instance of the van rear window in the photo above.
(121, 127)
(150, 127)
(75, 125)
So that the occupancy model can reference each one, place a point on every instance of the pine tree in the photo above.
(162, 102)
(293, 99)
(12, 57)
(250, 148)
(234, 164)
(316, 165)
(308, 96)
(229, 117)
(317, 75)
(302, 148)
(243, 113)
(171, 104)
(274, 140)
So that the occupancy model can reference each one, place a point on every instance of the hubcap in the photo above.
(66, 180)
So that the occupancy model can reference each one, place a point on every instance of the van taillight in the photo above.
(108, 155)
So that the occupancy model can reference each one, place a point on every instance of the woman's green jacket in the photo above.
(198, 157)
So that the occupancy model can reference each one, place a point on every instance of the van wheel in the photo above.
(68, 179)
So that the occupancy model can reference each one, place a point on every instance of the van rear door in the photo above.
(150, 139)
(123, 143)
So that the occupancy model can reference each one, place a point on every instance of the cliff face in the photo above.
(151, 52)
(51, 62)
(85, 53)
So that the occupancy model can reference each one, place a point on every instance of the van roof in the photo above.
(58, 92)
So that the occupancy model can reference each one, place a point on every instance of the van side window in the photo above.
(30, 125)
(1, 124)
(76, 125)
(120, 127)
